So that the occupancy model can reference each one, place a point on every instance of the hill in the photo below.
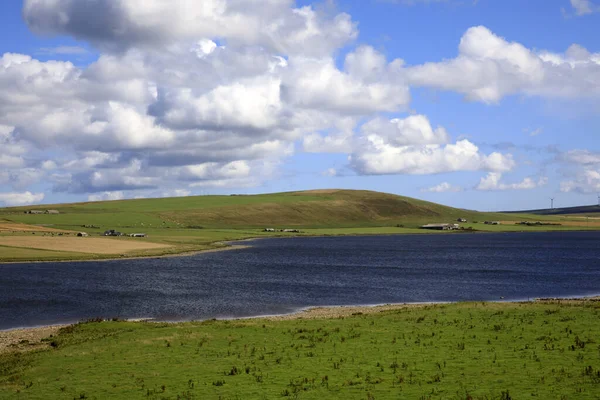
(581, 210)
(308, 209)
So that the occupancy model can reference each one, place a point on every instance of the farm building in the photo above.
(461, 220)
(51, 212)
(492, 222)
(112, 232)
(441, 227)
(82, 234)
(138, 235)
(34, 212)
(269, 230)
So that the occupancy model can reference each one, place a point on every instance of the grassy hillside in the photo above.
(311, 209)
(457, 351)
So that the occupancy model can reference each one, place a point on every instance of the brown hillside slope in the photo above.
(329, 208)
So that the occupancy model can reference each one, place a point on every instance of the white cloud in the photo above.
(412, 146)
(217, 93)
(176, 193)
(376, 157)
(366, 86)
(107, 196)
(330, 172)
(253, 104)
(339, 143)
(120, 24)
(11, 161)
(583, 157)
(64, 50)
(488, 68)
(583, 7)
(534, 132)
(586, 181)
(20, 199)
(413, 130)
(492, 182)
(443, 188)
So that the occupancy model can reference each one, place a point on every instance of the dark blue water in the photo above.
(283, 275)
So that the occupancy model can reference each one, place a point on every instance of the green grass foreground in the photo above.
(454, 351)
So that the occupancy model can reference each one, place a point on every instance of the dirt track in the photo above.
(80, 245)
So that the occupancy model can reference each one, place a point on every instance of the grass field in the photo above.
(189, 224)
(455, 351)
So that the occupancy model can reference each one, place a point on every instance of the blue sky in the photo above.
(488, 105)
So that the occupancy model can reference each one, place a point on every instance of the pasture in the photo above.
(545, 350)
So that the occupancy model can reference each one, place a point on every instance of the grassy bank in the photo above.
(453, 351)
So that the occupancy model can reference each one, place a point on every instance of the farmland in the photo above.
(189, 224)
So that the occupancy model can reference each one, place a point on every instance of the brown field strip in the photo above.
(15, 227)
(80, 245)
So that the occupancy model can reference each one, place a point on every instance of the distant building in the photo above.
(291, 230)
(112, 232)
(138, 235)
(461, 220)
(82, 234)
(441, 227)
(35, 212)
(492, 222)
(52, 212)
(269, 230)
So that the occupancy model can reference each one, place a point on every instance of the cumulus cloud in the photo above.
(106, 196)
(188, 94)
(208, 98)
(180, 92)
(586, 181)
(316, 143)
(368, 84)
(412, 146)
(583, 176)
(583, 7)
(493, 181)
(121, 24)
(414, 130)
(488, 68)
(20, 199)
(443, 188)
(330, 172)
(583, 157)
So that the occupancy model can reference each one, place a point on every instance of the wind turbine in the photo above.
(552, 202)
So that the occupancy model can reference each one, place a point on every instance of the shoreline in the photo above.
(228, 246)
(33, 338)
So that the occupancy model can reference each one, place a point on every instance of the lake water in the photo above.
(277, 276)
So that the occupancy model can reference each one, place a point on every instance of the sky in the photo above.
(481, 104)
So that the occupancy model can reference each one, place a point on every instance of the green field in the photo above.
(20, 254)
(455, 351)
(204, 222)
(336, 209)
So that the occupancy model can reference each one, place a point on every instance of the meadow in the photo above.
(545, 350)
